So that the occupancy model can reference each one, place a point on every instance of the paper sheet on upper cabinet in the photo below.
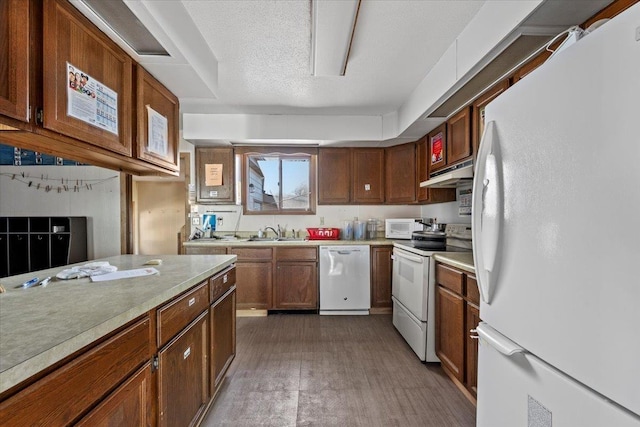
(213, 174)
(157, 133)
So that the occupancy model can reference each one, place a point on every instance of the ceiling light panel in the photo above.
(126, 25)
(332, 28)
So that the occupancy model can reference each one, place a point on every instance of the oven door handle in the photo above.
(416, 259)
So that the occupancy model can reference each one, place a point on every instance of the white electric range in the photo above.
(413, 288)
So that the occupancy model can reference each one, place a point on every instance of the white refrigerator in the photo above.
(556, 236)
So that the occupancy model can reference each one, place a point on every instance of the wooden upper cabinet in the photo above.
(459, 136)
(97, 109)
(437, 141)
(156, 106)
(479, 106)
(205, 158)
(14, 66)
(422, 173)
(368, 175)
(400, 171)
(334, 176)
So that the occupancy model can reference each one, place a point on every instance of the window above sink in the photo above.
(278, 180)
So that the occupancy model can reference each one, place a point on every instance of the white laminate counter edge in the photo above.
(463, 261)
(19, 371)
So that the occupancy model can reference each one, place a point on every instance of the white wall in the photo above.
(101, 205)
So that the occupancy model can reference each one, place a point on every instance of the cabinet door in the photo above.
(437, 140)
(334, 176)
(368, 176)
(222, 320)
(425, 194)
(96, 109)
(208, 250)
(253, 284)
(400, 171)
(471, 380)
(14, 51)
(381, 276)
(296, 286)
(205, 159)
(449, 331)
(479, 105)
(128, 406)
(155, 102)
(183, 377)
(459, 136)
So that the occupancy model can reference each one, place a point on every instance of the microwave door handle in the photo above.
(416, 259)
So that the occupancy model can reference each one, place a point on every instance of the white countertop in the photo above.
(461, 260)
(246, 242)
(41, 326)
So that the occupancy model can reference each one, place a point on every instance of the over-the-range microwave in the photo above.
(401, 228)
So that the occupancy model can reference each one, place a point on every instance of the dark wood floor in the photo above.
(299, 369)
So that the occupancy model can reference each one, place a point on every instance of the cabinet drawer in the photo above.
(472, 293)
(189, 250)
(252, 254)
(449, 278)
(221, 283)
(60, 397)
(296, 253)
(173, 317)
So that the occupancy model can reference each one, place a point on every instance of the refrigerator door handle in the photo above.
(487, 212)
(498, 341)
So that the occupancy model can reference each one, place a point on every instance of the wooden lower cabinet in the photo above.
(128, 406)
(381, 265)
(457, 313)
(222, 339)
(254, 277)
(254, 281)
(449, 325)
(182, 376)
(471, 381)
(296, 285)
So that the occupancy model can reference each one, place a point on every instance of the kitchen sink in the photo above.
(276, 239)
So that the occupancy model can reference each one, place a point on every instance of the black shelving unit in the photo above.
(35, 243)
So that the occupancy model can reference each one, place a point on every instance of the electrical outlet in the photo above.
(195, 220)
(367, 187)
(638, 34)
(220, 221)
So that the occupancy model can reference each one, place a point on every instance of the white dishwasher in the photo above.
(345, 286)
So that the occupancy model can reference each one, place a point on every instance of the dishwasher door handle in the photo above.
(416, 259)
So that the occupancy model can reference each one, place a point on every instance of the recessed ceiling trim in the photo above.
(116, 15)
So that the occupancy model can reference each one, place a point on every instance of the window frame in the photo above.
(282, 152)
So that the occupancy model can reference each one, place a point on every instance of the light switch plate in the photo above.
(367, 187)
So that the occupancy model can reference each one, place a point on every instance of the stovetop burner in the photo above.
(455, 238)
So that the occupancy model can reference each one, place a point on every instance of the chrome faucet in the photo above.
(276, 232)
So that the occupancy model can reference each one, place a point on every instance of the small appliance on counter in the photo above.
(402, 228)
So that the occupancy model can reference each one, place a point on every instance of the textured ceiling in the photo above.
(263, 50)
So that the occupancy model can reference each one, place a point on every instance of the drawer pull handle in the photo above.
(192, 301)
(224, 279)
(186, 353)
